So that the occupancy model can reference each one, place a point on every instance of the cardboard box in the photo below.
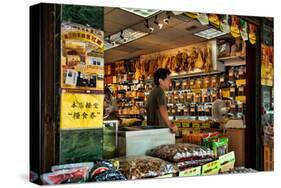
(227, 162)
(211, 168)
(195, 171)
(165, 176)
(236, 143)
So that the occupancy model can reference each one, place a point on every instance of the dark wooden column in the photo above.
(253, 141)
(43, 78)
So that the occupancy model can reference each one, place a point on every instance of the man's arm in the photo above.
(164, 115)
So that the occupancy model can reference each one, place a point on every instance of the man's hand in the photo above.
(173, 128)
(164, 114)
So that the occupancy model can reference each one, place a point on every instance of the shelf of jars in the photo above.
(188, 95)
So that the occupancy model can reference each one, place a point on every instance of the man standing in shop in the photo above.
(157, 113)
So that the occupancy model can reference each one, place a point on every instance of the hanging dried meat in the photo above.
(168, 65)
(173, 63)
(152, 63)
(164, 62)
(184, 59)
(187, 61)
(193, 58)
(146, 66)
(138, 73)
(132, 65)
(208, 60)
(159, 61)
(157, 64)
(178, 62)
(143, 68)
(199, 63)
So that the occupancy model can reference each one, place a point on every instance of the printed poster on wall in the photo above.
(79, 111)
(82, 62)
(267, 69)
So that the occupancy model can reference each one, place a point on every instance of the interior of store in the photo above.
(220, 75)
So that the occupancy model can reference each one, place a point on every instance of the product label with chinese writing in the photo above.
(211, 168)
(196, 171)
(80, 111)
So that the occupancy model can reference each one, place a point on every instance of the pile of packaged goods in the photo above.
(183, 155)
(239, 170)
(82, 172)
(212, 140)
(139, 167)
(219, 145)
(105, 171)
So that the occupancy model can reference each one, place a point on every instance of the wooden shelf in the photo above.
(233, 60)
(181, 76)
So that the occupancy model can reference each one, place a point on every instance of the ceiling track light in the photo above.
(108, 39)
(166, 20)
(122, 36)
(151, 29)
(160, 25)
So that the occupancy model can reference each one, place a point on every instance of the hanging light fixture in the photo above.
(124, 39)
(160, 25)
(166, 20)
(151, 29)
(108, 39)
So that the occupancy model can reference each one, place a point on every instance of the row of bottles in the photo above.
(203, 109)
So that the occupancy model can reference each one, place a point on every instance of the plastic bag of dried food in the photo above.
(101, 166)
(187, 164)
(224, 50)
(109, 175)
(181, 152)
(75, 175)
(219, 146)
(71, 166)
(139, 167)
(104, 170)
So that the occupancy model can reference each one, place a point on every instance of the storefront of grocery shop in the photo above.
(94, 70)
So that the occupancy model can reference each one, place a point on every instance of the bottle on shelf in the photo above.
(206, 83)
(214, 81)
(241, 90)
(186, 110)
(192, 83)
(222, 81)
(242, 72)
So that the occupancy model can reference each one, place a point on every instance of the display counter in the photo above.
(138, 140)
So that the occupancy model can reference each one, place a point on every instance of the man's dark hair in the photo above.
(160, 74)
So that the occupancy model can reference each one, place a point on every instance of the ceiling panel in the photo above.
(141, 43)
(108, 9)
(114, 55)
(171, 36)
(171, 44)
(171, 33)
(153, 39)
(188, 39)
(128, 49)
(191, 26)
(122, 17)
(111, 28)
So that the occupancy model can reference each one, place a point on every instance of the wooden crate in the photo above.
(268, 158)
